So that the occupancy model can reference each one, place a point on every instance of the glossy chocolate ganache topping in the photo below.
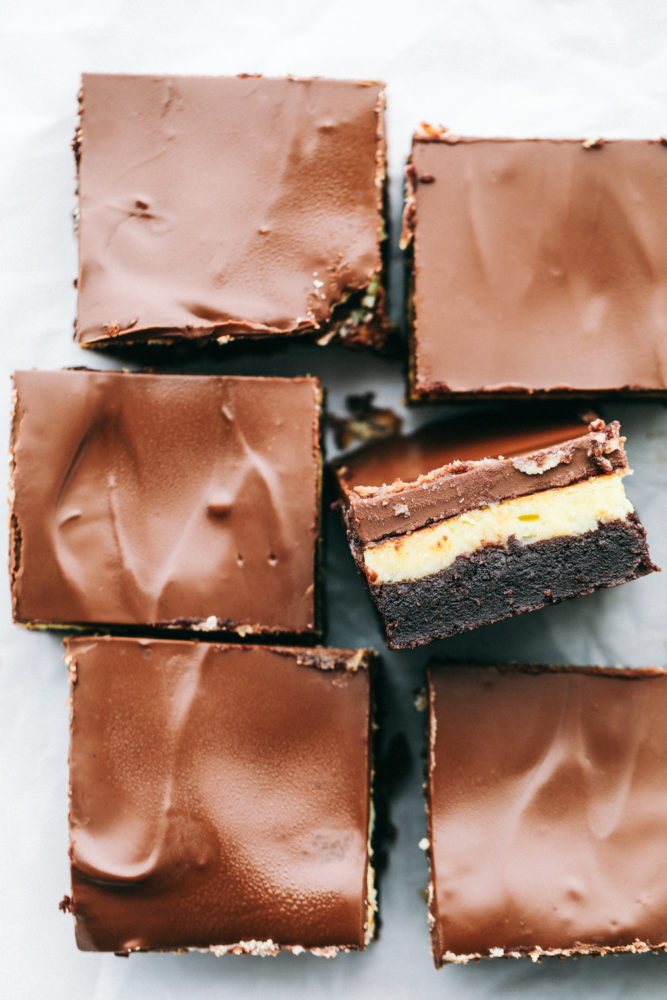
(157, 499)
(547, 797)
(225, 206)
(220, 796)
(475, 460)
(539, 265)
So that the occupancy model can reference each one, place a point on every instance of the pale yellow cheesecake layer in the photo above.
(568, 510)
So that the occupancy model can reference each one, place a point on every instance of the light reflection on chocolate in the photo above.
(538, 265)
(547, 810)
(219, 794)
(221, 206)
(155, 499)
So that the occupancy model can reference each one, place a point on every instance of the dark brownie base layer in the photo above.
(499, 581)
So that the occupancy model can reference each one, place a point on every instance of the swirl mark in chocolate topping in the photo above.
(147, 499)
(550, 274)
(238, 810)
(548, 834)
(132, 847)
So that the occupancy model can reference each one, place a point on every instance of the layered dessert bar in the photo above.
(184, 501)
(547, 811)
(219, 208)
(473, 520)
(536, 266)
(219, 797)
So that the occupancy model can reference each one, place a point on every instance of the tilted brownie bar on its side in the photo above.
(547, 811)
(170, 501)
(473, 520)
(220, 797)
(223, 208)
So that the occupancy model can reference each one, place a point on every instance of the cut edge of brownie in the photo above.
(15, 535)
(513, 579)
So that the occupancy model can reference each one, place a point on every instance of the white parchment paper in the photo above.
(518, 67)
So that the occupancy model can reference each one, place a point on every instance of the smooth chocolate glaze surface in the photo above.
(156, 499)
(223, 206)
(548, 810)
(539, 265)
(444, 469)
(219, 795)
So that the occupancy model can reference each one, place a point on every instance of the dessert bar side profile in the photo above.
(447, 540)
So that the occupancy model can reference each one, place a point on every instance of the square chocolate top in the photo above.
(539, 265)
(220, 796)
(212, 207)
(165, 500)
(547, 793)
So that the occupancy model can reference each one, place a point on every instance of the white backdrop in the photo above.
(527, 67)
